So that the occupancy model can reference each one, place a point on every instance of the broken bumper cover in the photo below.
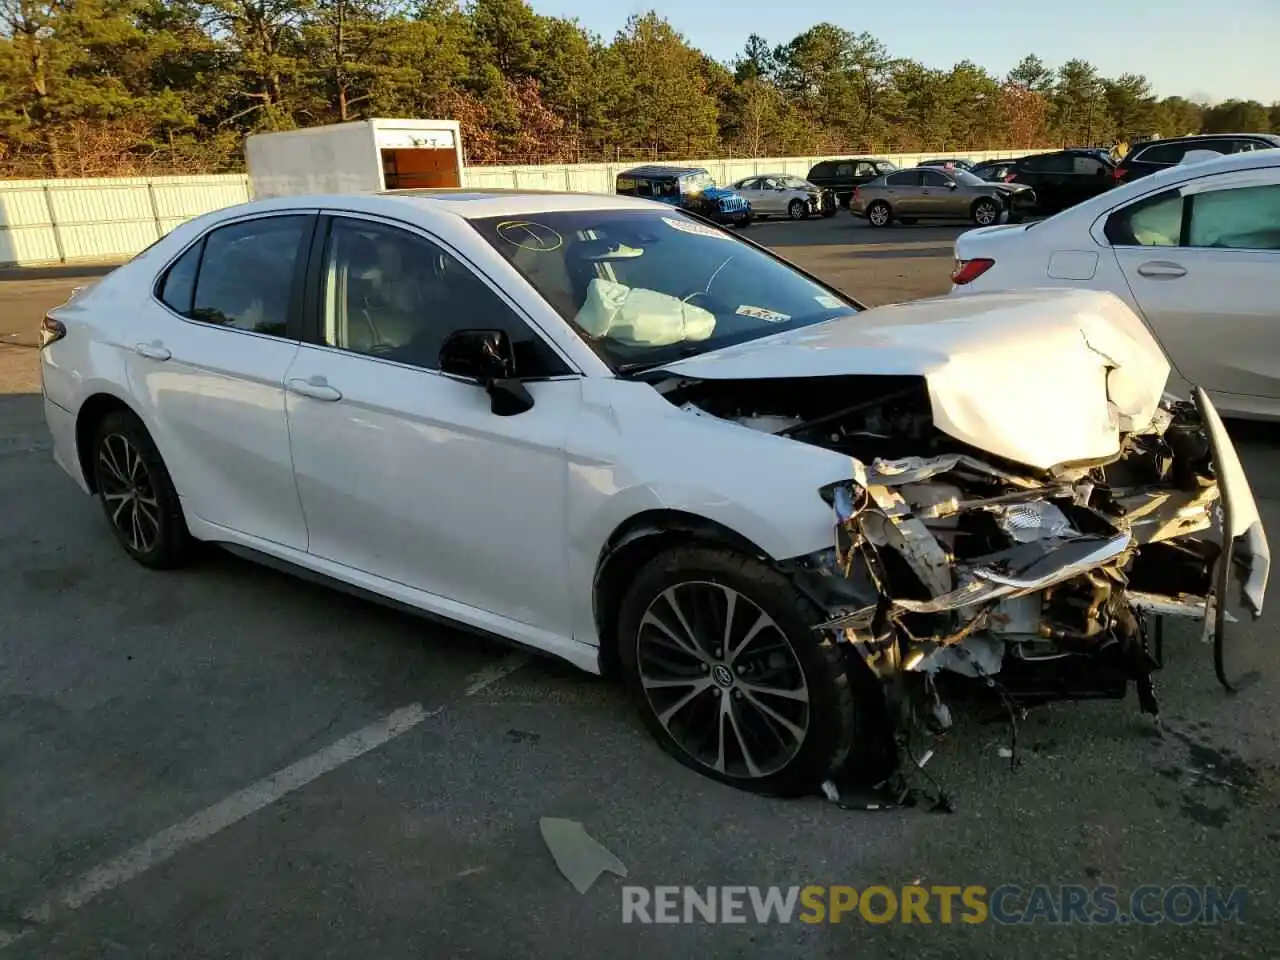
(956, 562)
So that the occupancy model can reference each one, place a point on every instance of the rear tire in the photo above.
(879, 214)
(137, 494)
(701, 697)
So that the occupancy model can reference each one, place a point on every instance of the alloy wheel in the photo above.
(986, 214)
(723, 679)
(125, 483)
(879, 216)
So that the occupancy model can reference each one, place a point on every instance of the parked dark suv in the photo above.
(1065, 177)
(841, 176)
(1147, 158)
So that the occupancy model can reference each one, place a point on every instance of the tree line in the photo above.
(118, 87)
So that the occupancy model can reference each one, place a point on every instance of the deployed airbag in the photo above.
(643, 317)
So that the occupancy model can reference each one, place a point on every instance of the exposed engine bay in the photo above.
(1044, 582)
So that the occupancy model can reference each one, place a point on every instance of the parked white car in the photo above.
(608, 430)
(1193, 249)
(782, 195)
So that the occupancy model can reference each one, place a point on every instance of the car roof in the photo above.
(464, 203)
(1197, 137)
(660, 170)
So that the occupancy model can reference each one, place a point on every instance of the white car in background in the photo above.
(784, 195)
(611, 431)
(1194, 250)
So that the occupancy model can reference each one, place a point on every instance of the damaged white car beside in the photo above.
(614, 432)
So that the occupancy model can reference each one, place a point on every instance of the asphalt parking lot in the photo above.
(179, 775)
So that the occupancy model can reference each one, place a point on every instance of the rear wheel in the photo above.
(879, 214)
(731, 679)
(137, 494)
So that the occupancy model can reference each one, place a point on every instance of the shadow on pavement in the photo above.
(59, 271)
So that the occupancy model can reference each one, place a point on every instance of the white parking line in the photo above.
(483, 679)
(165, 844)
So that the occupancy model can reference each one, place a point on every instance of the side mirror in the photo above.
(487, 357)
(952, 185)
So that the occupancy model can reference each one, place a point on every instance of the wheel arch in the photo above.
(634, 543)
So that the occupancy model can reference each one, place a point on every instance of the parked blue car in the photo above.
(690, 188)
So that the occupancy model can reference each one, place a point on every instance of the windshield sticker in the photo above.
(760, 313)
(528, 235)
(828, 301)
(691, 226)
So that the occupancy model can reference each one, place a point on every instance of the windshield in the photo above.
(645, 287)
(795, 183)
(965, 177)
(697, 182)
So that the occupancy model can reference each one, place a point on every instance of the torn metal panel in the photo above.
(1041, 565)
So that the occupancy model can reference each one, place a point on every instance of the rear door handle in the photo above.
(315, 388)
(1162, 270)
(153, 351)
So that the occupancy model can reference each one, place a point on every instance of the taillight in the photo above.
(1010, 177)
(967, 271)
(1119, 173)
(855, 192)
(51, 331)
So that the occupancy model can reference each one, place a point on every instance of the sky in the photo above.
(1167, 40)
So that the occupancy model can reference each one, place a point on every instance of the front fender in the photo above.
(633, 452)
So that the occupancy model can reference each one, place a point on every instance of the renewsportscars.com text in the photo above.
(1181, 904)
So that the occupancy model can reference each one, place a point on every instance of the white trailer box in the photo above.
(365, 156)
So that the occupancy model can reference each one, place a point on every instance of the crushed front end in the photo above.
(1042, 584)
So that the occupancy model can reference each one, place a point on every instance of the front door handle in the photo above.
(153, 351)
(315, 388)
(1162, 270)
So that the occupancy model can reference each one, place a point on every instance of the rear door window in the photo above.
(905, 178)
(247, 274)
(844, 170)
(1151, 222)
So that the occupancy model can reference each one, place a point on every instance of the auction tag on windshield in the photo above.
(760, 313)
(692, 226)
(830, 302)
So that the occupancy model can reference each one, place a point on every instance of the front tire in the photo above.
(719, 653)
(796, 210)
(879, 214)
(986, 212)
(137, 494)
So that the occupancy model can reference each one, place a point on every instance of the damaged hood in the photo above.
(1040, 377)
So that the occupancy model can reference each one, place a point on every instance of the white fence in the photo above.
(78, 221)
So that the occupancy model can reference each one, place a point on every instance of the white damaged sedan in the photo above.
(611, 431)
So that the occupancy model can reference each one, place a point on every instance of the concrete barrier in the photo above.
(88, 220)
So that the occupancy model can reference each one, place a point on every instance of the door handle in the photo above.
(1162, 270)
(153, 351)
(315, 388)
